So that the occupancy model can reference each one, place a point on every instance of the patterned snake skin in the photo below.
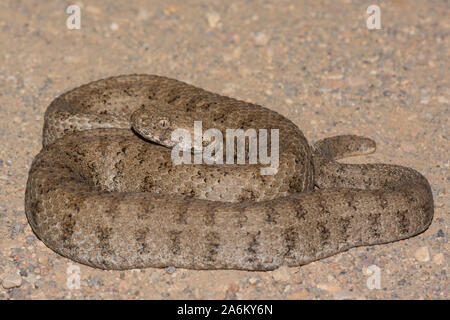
(104, 191)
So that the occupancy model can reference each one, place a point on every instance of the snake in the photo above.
(104, 191)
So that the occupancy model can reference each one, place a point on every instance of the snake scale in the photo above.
(104, 192)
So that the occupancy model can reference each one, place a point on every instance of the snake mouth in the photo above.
(152, 134)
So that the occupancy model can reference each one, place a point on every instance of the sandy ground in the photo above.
(315, 62)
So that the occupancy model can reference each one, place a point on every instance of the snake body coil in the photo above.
(101, 194)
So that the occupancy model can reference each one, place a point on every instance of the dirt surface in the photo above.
(315, 62)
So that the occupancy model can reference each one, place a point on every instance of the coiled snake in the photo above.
(105, 192)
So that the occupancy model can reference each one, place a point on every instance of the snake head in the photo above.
(157, 122)
(153, 124)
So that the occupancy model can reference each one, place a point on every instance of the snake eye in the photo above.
(164, 124)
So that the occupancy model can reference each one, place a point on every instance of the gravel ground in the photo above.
(315, 62)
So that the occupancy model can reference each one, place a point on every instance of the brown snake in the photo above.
(102, 194)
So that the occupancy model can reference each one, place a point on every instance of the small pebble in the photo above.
(442, 99)
(422, 254)
(43, 260)
(114, 26)
(12, 280)
(171, 9)
(170, 269)
(253, 280)
(288, 101)
(261, 39)
(439, 258)
(213, 19)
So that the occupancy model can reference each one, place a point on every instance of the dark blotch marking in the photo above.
(241, 217)
(403, 221)
(295, 184)
(147, 211)
(141, 235)
(374, 224)
(344, 223)
(324, 233)
(146, 184)
(67, 229)
(175, 246)
(104, 235)
(300, 212)
(253, 246)
(272, 215)
(212, 245)
(248, 194)
(291, 240)
(35, 206)
(181, 215)
(210, 217)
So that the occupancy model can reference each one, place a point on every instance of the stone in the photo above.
(422, 254)
(12, 280)
(281, 274)
(442, 99)
(439, 258)
(170, 269)
(213, 19)
(114, 26)
(261, 39)
(43, 260)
